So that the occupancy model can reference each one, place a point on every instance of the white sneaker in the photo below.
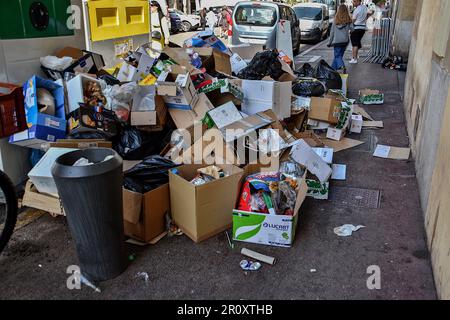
(353, 61)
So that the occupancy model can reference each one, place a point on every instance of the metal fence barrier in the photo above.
(381, 41)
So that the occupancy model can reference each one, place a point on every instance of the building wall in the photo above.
(405, 15)
(427, 109)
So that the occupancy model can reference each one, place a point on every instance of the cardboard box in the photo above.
(245, 126)
(129, 73)
(369, 96)
(41, 127)
(274, 230)
(318, 190)
(91, 119)
(81, 143)
(84, 62)
(186, 118)
(41, 174)
(310, 138)
(33, 199)
(303, 154)
(75, 90)
(206, 210)
(335, 134)
(356, 123)
(144, 214)
(148, 109)
(264, 95)
(325, 109)
(177, 90)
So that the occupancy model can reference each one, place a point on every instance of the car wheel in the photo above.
(186, 26)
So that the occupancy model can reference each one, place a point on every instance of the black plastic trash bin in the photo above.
(92, 199)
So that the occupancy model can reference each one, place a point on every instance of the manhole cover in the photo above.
(355, 197)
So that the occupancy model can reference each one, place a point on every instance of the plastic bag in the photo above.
(148, 175)
(263, 64)
(330, 77)
(55, 63)
(120, 98)
(308, 87)
(133, 144)
(306, 71)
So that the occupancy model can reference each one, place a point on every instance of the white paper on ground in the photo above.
(382, 151)
(347, 230)
(339, 172)
(394, 153)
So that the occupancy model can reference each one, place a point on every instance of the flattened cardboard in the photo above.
(325, 153)
(225, 115)
(358, 110)
(206, 210)
(373, 125)
(344, 144)
(186, 118)
(303, 154)
(394, 153)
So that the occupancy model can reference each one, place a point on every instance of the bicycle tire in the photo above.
(11, 209)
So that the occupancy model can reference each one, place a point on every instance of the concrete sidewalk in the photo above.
(34, 265)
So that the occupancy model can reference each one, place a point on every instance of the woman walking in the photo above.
(340, 36)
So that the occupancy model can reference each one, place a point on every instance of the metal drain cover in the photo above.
(355, 197)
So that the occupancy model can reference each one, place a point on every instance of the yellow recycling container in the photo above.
(111, 19)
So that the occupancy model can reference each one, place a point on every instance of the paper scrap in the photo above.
(339, 172)
(347, 230)
(395, 153)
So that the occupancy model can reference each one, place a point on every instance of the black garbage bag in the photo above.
(134, 144)
(148, 175)
(330, 77)
(306, 71)
(308, 87)
(263, 64)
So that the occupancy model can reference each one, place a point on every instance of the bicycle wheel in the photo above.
(8, 209)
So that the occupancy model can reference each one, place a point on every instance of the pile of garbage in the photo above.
(180, 119)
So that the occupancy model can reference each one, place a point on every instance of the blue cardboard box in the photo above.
(41, 127)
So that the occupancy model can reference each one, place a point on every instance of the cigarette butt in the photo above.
(258, 256)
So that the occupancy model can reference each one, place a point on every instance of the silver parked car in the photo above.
(255, 22)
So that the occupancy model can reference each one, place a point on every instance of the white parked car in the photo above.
(189, 22)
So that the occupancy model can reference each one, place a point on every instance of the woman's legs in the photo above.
(338, 61)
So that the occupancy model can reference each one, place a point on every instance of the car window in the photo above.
(308, 13)
(258, 15)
